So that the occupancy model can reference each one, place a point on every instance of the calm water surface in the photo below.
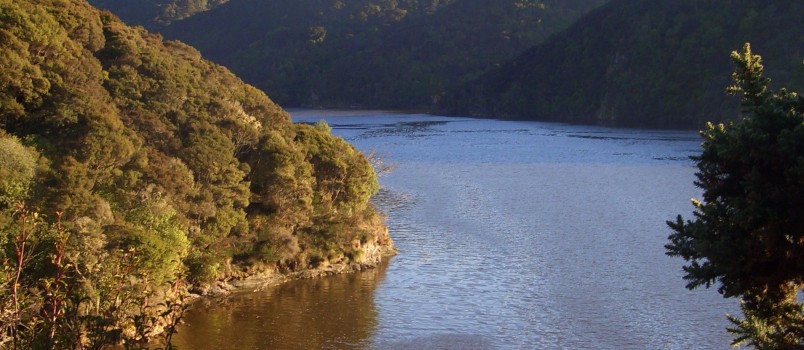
(512, 235)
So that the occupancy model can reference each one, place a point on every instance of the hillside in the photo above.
(153, 14)
(150, 151)
(642, 64)
(367, 53)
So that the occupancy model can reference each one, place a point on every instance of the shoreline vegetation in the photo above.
(254, 281)
(135, 174)
(132, 169)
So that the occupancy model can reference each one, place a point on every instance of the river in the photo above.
(511, 235)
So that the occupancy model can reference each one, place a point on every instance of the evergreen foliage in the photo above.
(18, 166)
(155, 13)
(748, 232)
(368, 53)
(635, 63)
(628, 63)
(163, 164)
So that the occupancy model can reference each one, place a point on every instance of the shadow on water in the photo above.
(328, 313)
(414, 129)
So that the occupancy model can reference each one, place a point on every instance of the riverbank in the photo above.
(256, 279)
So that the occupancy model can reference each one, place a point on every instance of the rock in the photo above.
(218, 291)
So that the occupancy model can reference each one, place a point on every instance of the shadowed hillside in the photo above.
(368, 53)
(644, 64)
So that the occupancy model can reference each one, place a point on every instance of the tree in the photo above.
(748, 232)
(166, 166)
(17, 169)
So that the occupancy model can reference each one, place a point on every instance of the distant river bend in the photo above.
(512, 235)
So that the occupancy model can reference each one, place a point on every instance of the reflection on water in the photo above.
(329, 313)
(512, 235)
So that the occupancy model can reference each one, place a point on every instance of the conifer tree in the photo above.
(747, 235)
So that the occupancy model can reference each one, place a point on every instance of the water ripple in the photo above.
(514, 235)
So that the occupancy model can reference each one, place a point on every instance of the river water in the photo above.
(511, 235)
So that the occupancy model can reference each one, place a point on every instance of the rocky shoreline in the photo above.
(256, 281)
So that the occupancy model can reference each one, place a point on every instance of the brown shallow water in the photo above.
(335, 312)
(512, 235)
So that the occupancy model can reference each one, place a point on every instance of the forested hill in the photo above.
(368, 53)
(641, 63)
(146, 147)
(153, 14)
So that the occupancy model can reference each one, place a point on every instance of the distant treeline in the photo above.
(153, 14)
(629, 63)
(643, 64)
(368, 53)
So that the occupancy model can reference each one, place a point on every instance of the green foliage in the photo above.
(51, 300)
(633, 63)
(18, 166)
(158, 238)
(367, 53)
(628, 63)
(748, 232)
(282, 182)
(159, 157)
(344, 179)
(313, 201)
(202, 268)
(275, 244)
(322, 126)
(768, 324)
(154, 13)
(749, 82)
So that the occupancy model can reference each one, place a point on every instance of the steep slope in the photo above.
(645, 64)
(392, 54)
(147, 147)
(153, 14)
(414, 63)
